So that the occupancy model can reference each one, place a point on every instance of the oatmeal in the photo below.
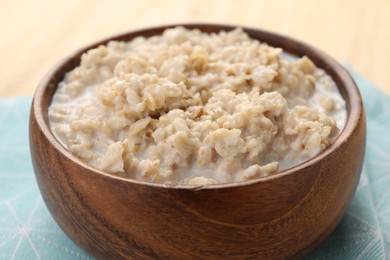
(195, 108)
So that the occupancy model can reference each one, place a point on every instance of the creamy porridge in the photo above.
(195, 108)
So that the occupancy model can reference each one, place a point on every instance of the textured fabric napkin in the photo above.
(27, 230)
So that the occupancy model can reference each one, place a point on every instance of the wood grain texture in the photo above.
(285, 215)
(36, 34)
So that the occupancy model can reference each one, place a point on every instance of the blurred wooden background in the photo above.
(36, 34)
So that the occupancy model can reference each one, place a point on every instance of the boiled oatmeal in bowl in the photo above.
(195, 108)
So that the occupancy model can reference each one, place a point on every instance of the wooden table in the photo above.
(36, 34)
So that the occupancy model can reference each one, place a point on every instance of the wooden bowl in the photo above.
(285, 215)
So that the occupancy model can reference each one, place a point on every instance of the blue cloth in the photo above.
(27, 230)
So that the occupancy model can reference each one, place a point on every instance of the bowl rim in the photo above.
(348, 90)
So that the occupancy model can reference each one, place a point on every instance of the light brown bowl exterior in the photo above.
(282, 216)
